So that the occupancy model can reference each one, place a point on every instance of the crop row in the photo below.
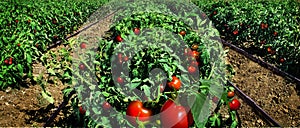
(28, 27)
(268, 29)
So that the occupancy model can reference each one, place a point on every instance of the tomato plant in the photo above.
(266, 24)
(112, 70)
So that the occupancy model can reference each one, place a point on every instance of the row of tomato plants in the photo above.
(28, 27)
(110, 99)
(268, 29)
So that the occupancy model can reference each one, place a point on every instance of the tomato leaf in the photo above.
(200, 108)
(47, 97)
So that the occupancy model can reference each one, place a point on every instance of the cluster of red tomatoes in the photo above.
(171, 114)
(234, 104)
(8, 61)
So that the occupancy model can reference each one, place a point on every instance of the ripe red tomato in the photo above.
(136, 31)
(281, 60)
(126, 58)
(6, 61)
(81, 110)
(17, 21)
(182, 33)
(234, 105)
(192, 69)
(106, 106)
(269, 50)
(230, 94)
(120, 80)
(175, 83)
(119, 38)
(195, 54)
(235, 32)
(190, 116)
(81, 67)
(18, 44)
(275, 33)
(83, 45)
(173, 115)
(10, 61)
(135, 110)
(195, 63)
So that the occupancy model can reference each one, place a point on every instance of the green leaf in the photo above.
(200, 108)
(47, 97)
(51, 71)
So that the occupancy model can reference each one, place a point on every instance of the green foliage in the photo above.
(257, 26)
(29, 27)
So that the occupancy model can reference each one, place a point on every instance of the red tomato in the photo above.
(106, 106)
(269, 50)
(81, 110)
(136, 31)
(19, 45)
(174, 116)
(120, 60)
(235, 32)
(192, 69)
(190, 116)
(83, 45)
(120, 56)
(281, 60)
(126, 58)
(182, 33)
(195, 54)
(275, 33)
(17, 21)
(195, 63)
(6, 61)
(10, 61)
(230, 94)
(81, 67)
(234, 105)
(119, 38)
(135, 110)
(120, 80)
(175, 83)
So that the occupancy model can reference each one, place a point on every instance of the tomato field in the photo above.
(149, 63)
